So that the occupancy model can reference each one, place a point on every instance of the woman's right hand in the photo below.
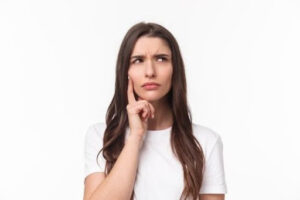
(138, 112)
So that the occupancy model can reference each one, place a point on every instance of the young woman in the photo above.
(149, 148)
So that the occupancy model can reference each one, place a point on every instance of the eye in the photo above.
(136, 60)
(163, 58)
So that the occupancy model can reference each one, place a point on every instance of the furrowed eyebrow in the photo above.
(156, 55)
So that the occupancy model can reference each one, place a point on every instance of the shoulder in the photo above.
(205, 133)
(95, 130)
(207, 137)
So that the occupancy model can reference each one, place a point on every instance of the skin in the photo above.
(152, 66)
(156, 114)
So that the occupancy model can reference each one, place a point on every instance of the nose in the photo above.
(150, 69)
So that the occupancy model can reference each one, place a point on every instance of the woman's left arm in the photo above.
(212, 196)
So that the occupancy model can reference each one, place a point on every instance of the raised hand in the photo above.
(138, 112)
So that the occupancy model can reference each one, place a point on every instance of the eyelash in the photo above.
(163, 58)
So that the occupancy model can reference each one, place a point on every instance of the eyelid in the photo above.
(163, 57)
(136, 60)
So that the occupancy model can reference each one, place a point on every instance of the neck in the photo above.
(163, 117)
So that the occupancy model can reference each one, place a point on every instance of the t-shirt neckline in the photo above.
(160, 131)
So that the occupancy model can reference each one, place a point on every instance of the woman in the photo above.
(150, 147)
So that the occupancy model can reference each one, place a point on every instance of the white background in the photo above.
(57, 77)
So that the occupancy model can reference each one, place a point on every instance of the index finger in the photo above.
(130, 95)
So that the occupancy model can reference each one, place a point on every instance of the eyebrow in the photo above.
(156, 55)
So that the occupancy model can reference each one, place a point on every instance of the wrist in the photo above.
(135, 138)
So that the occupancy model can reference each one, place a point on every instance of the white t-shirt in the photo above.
(160, 174)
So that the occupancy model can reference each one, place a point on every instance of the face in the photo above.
(150, 61)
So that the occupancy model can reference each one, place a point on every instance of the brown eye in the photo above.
(136, 60)
(163, 58)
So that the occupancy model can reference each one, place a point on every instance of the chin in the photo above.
(152, 97)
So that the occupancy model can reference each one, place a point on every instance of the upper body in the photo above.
(160, 174)
(156, 100)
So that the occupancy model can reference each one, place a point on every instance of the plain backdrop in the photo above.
(57, 77)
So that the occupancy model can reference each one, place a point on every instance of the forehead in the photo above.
(150, 45)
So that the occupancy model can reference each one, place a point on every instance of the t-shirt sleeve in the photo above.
(92, 145)
(214, 176)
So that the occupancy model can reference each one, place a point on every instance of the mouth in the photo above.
(150, 86)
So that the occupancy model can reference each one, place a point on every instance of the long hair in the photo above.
(184, 145)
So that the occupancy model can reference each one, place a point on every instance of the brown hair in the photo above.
(184, 145)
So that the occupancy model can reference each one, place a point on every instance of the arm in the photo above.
(212, 197)
(119, 183)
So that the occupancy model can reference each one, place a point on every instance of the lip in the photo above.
(150, 85)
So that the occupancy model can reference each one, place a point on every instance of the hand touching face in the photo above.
(138, 112)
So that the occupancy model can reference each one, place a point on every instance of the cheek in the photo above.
(135, 78)
(168, 76)
(169, 82)
(134, 72)
(132, 75)
(130, 71)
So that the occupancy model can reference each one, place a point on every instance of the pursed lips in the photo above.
(150, 84)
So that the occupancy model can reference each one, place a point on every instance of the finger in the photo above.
(152, 110)
(147, 111)
(130, 95)
(142, 110)
(145, 114)
(147, 104)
